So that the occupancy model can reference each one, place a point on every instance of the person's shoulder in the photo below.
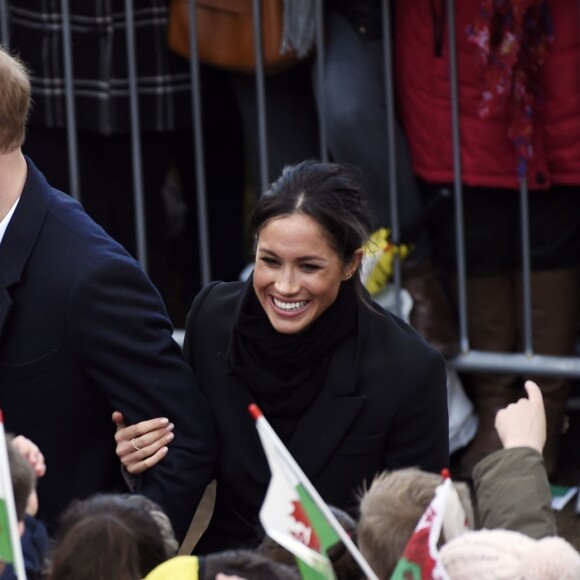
(66, 247)
(88, 251)
(218, 294)
(385, 330)
(84, 244)
(69, 217)
(216, 298)
(379, 320)
(54, 221)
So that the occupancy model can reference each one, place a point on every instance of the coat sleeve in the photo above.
(420, 433)
(123, 341)
(513, 493)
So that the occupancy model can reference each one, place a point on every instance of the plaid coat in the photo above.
(99, 55)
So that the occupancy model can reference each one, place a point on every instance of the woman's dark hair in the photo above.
(330, 193)
(106, 536)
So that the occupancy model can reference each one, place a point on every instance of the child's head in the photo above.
(509, 555)
(390, 510)
(245, 564)
(23, 484)
(106, 536)
(161, 519)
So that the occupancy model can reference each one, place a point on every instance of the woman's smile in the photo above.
(290, 307)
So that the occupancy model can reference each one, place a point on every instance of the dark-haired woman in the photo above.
(351, 389)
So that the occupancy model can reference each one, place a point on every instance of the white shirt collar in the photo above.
(4, 223)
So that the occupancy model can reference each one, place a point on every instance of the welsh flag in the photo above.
(10, 547)
(420, 559)
(293, 513)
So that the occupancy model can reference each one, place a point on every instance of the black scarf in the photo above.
(285, 372)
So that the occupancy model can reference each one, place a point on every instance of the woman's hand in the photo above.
(143, 445)
(31, 453)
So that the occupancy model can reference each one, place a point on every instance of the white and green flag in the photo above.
(295, 516)
(420, 559)
(10, 547)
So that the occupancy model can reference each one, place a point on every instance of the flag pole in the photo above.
(320, 503)
(6, 488)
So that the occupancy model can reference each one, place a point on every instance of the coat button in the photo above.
(540, 178)
(362, 29)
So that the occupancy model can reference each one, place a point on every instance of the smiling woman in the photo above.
(351, 389)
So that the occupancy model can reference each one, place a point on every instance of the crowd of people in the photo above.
(514, 534)
(120, 431)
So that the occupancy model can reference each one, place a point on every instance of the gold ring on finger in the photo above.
(135, 446)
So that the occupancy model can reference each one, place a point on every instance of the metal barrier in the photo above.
(526, 362)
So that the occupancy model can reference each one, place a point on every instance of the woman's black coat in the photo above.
(383, 406)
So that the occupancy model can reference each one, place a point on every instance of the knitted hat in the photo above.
(507, 555)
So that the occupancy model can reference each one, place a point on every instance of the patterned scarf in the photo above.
(513, 38)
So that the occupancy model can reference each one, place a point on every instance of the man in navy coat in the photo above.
(83, 332)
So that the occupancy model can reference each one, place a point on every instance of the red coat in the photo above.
(488, 155)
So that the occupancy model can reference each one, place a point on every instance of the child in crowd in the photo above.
(511, 485)
(26, 462)
(390, 511)
(510, 556)
(228, 565)
(107, 536)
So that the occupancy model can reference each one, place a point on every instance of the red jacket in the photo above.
(488, 155)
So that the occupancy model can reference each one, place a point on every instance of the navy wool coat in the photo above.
(83, 332)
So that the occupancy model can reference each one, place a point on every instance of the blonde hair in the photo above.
(15, 99)
(390, 510)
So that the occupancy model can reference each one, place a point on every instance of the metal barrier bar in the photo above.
(261, 95)
(393, 192)
(4, 28)
(202, 221)
(526, 278)
(140, 227)
(459, 233)
(320, 57)
(517, 363)
(71, 120)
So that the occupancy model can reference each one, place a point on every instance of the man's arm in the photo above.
(123, 340)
